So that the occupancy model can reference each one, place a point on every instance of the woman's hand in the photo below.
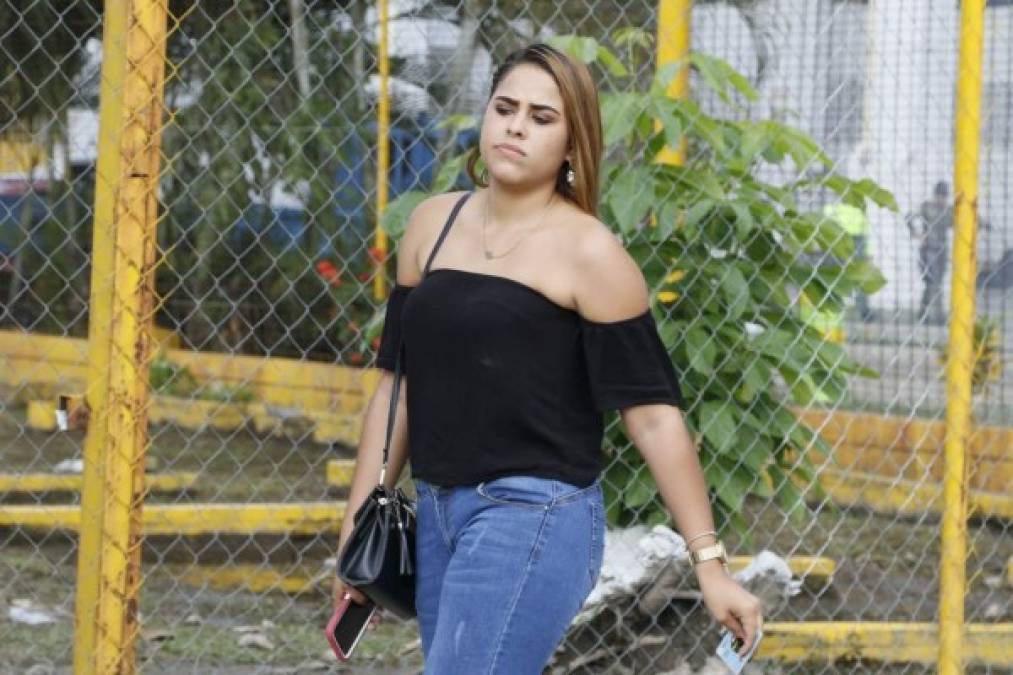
(731, 605)
(341, 589)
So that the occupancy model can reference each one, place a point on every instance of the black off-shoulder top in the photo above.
(502, 380)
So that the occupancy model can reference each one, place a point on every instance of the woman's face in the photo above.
(526, 112)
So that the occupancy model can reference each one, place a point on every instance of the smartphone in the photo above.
(347, 625)
(728, 651)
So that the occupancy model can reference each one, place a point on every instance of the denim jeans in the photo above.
(502, 568)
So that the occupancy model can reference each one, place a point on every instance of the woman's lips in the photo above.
(509, 150)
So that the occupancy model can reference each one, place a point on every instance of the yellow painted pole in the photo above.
(959, 365)
(673, 44)
(382, 151)
(123, 421)
(107, 174)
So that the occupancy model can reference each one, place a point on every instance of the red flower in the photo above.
(328, 272)
(363, 276)
(375, 344)
(377, 254)
(355, 357)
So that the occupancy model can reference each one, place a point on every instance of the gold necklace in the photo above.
(485, 221)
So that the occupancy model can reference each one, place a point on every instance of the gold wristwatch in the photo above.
(709, 553)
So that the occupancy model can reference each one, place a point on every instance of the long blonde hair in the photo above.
(583, 116)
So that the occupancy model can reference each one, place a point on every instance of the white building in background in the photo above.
(874, 82)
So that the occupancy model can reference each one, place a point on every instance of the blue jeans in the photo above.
(502, 568)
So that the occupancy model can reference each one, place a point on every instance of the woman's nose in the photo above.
(516, 125)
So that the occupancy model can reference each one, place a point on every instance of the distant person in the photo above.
(928, 226)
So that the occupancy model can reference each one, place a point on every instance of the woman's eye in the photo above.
(539, 120)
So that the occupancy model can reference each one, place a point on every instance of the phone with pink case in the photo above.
(347, 626)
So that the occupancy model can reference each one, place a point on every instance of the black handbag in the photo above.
(379, 557)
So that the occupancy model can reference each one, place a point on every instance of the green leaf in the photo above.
(755, 379)
(657, 517)
(628, 197)
(717, 423)
(702, 351)
(611, 63)
(787, 496)
(752, 142)
(672, 124)
(458, 122)
(395, 216)
(448, 174)
(695, 215)
(629, 36)
(757, 453)
(584, 49)
(865, 275)
(736, 292)
(730, 480)
(721, 77)
(613, 503)
(744, 222)
(803, 149)
(640, 490)
(619, 115)
(663, 78)
(881, 196)
(668, 219)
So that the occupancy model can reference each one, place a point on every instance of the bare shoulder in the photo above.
(608, 283)
(420, 234)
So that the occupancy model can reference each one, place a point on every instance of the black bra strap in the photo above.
(392, 411)
(446, 229)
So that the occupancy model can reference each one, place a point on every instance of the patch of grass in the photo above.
(294, 644)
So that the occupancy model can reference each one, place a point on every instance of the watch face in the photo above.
(710, 553)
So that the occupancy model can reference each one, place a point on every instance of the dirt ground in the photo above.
(887, 566)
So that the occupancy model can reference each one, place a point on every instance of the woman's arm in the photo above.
(609, 287)
(369, 455)
(658, 432)
(369, 459)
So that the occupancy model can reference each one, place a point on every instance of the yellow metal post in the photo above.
(123, 295)
(107, 175)
(382, 150)
(952, 578)
(673, 46)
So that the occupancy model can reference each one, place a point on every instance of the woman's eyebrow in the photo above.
(536, 106)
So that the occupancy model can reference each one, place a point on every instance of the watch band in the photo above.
(709, 553)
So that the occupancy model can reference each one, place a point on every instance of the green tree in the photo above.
(241, 125)
(41, 59)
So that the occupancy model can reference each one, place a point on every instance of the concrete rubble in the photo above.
(647, 611)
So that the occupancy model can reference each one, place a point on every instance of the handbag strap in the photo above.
(392, 411)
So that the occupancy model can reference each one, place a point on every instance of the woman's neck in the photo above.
(520, 208)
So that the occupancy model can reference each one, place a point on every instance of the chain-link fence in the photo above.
(780, 280)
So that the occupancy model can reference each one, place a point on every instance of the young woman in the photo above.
(530, 322)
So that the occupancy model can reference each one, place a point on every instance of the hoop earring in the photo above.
(484, 176)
